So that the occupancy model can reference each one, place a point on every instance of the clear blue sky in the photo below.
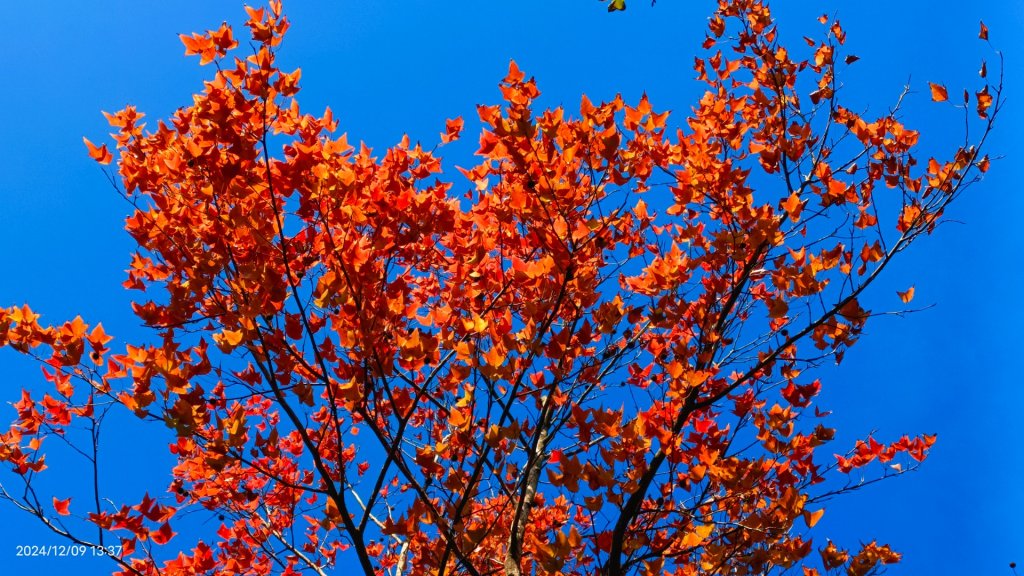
(388, 68)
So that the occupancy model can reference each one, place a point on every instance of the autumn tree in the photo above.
(589, 354)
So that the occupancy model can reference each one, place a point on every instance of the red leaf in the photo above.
(452, 129)
(61, 506)
(163, 535)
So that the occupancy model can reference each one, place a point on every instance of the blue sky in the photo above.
(389, 68)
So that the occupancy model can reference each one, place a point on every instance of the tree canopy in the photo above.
(590, 353)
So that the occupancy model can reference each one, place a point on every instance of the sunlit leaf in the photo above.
(812, 518)
(907, 296)
(62, 506)
(98, 153)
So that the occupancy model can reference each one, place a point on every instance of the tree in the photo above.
(589, 357)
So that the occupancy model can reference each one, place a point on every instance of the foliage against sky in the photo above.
(512, 82)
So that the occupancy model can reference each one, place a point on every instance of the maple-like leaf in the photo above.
(163, 534)
(98, 153)
(62, 506)
(452, 130)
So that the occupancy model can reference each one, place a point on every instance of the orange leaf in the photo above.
(852, 311)
(939, 93)
(984, 102)
(494, 357)
(458, 419)
(983, 33)
(908, 218)
(811, 518)
(194, 44)
(61, 506)
(452, 129)
(674, 369)
(98, 337)
(698, 535)
(228, 339)
(99, 154)
(906, 296)
(793, 206)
